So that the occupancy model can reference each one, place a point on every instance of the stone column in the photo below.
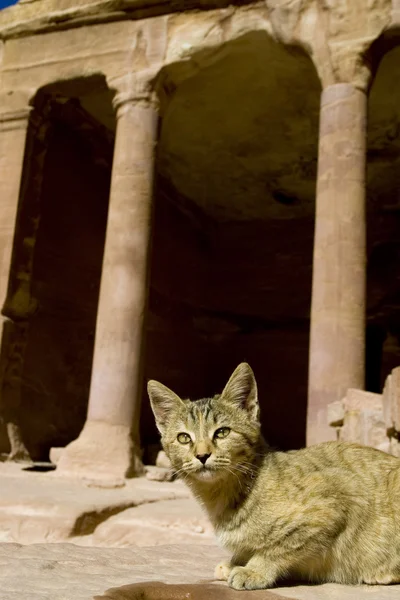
(13, 135)
(337, 334)
(109, 443)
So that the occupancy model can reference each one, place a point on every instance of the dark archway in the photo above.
(383, 218)
(234, 222)
(57, 260)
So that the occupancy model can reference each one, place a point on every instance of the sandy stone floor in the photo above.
(68, 572)
(144, 531)
(42, 507)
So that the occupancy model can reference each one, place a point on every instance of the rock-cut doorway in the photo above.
(51, 306)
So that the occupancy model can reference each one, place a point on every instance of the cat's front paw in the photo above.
(222, 571)
(382, 579)
(243, 578)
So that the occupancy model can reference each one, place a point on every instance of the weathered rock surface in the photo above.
(68, 572)
(168, 521)
(37, 507)
(196, 591)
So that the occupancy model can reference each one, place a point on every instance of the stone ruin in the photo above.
(184, 186)
(184, 189)
(370, 419)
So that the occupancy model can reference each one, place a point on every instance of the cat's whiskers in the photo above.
(221, 462)
(237, 477)
(180, 473)
(246, 470)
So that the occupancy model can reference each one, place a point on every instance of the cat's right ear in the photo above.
(163, 402)
(241, 391)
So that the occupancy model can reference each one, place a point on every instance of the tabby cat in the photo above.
(330, 512)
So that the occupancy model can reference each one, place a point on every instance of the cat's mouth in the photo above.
(206, 473)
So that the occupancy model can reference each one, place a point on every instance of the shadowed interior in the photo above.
(233, 229)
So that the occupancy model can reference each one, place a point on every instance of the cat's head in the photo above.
(210, 438)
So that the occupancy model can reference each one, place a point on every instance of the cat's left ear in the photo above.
(241, 390)
(163, 402)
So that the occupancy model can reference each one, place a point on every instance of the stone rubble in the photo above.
(370, 419)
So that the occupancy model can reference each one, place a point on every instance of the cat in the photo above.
(327, 513)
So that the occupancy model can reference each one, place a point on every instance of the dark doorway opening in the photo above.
(57, 259)
(233, 236)
(383, 224)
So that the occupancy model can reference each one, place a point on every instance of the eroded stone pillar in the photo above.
(13, 135)
(337, 334)
(108, 445)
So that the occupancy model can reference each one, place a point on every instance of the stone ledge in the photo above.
(157, 523)
(37, 507)
(361, 400)
(42, 16)
(368, 418)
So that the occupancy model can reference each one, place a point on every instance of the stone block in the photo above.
(385, 446)
(357, 400)
(159, 473)
(387, 402)
(336, 413)
(163, 460)
(391, 400)
(364, 421)
(373, 429)
(351, 430)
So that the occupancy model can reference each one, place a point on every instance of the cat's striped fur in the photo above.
(330, 512)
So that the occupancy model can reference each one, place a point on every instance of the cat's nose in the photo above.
(203, 457)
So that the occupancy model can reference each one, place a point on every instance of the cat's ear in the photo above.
(163, 402)
(241, 390)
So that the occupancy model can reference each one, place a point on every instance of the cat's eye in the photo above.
(222, 432)
(184, 438)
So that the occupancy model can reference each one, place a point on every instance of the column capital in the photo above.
(347, 71)
(136, 88)
(15, 119)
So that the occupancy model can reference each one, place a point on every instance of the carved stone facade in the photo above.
(183, 189)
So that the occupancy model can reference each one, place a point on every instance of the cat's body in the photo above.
(326, 513)
(313, 515)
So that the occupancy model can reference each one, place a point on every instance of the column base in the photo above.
(18, 452)
(101, 452)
